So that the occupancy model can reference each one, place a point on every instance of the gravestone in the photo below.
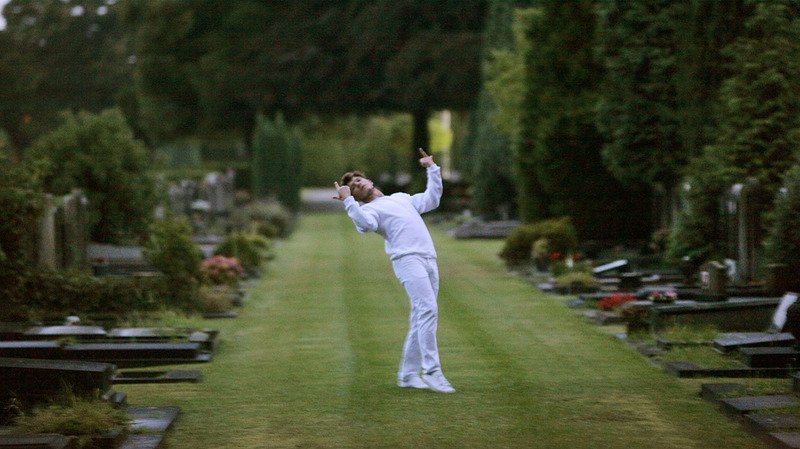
(31, 349)
(770, 357)
(741, 406)
(47, 253)
(56, 332)
(736, 341)
(713, 282)
(742, 217)
(30, 378)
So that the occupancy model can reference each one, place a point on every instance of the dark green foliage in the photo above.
(639, 112)
(99, 154)
(54, 59)
(560, 233)
(277, 162)
(171, 251)
(268, 218)
(783, 242)
(759, 130)
(248, 248)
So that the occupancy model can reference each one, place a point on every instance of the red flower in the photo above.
(615, 301)
(555, 256)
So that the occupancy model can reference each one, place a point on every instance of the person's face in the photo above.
(361, 188)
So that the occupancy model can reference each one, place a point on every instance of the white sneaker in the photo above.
(437, 382)
(411, 381)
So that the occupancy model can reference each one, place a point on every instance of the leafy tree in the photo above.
(219, 59)
(99, 154)
(759, 130)
(62, 55)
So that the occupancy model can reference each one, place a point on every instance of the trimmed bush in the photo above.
(559, 232)
(248, 248)
(171, 251)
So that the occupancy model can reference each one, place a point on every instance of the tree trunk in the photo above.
(422, 137)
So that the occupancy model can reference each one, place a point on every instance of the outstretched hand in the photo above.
(425, 160)
(342, 191)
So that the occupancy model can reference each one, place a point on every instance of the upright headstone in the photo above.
(47, 255)
(742, 213)
(713, 282)
(75, 229)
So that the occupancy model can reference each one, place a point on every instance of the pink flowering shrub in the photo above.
(221, 270)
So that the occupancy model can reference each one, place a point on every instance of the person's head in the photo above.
(360, 187)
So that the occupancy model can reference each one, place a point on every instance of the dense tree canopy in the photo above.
(58, 55)
(230, 61)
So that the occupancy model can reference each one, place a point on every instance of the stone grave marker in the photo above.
(55, 332)
(31, 349)
(33, 379)
(735, 341)
(713, 282)
(615, 266)
(748, 404)
(770, 357)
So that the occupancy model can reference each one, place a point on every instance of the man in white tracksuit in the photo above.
(397, 219)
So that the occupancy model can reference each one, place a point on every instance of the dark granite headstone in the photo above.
(38, 378)
(31, 349)
(736, 341)
(770, 357)
(748, 404)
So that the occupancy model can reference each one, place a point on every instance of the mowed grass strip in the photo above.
(311, 363)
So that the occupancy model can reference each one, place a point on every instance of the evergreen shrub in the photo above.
(783, 241)
(559, 232)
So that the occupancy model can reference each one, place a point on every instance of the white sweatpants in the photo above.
(420, 277)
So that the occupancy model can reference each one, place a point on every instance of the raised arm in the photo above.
(430, 198)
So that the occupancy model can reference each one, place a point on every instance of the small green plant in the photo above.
(248, 248)
(577, 278)
(73, 416)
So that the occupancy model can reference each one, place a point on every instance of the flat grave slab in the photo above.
(152, 419)
(34, 441)
(692, 370)
(615, 266)
(748, 404)
(12, 331)
(712, 392)
(762, 422)
(770, 357)
(142, 333)
(157, 377)
(735, 341)
(50, 332)
(30, 349)
(138, 354)
(784, 440)
(142, 441)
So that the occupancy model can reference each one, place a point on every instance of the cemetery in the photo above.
(617, 257)
(72, 356)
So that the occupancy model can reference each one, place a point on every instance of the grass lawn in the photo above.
(311, 363)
